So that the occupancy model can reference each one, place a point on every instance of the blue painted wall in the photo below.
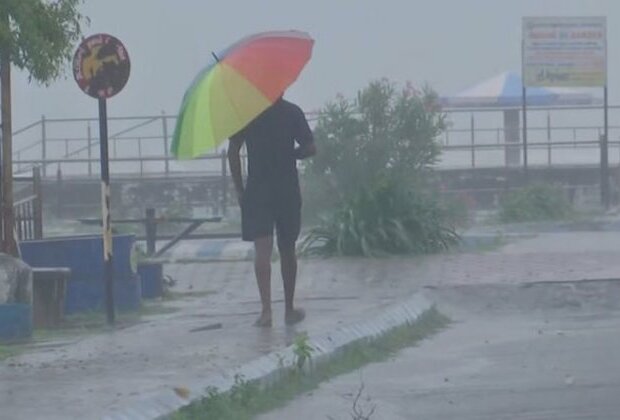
(84, 256)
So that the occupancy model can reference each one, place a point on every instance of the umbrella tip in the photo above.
(215, 56)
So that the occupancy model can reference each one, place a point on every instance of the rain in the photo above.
(366, 210)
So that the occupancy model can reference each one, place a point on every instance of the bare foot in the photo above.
(295, 316)
(264, 321)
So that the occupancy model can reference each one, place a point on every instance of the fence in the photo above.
(475, 138)
(139, 146)
(28, 207)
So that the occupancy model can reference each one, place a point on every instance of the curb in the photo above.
(268, 368)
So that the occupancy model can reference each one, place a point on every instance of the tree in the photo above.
(36, 36)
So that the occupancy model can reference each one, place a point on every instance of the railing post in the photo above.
(18, 222)
(43, 144)
(548, 138)
(59, 206)
(150, 228)
(473, 142)
(140, 157)
(574, 138)
(38, 203)
(89, 138)
(224, 186)
(164, 128)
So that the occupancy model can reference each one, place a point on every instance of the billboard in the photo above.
(564, 51)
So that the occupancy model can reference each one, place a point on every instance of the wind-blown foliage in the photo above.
(40, 35)
(368, 184)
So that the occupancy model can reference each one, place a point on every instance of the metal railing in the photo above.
(139, 146)
(29, 209)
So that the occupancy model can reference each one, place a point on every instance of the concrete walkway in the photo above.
(210, 331)
(545, 352)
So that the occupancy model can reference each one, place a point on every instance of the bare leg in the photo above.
(288, 264)
(262, 268)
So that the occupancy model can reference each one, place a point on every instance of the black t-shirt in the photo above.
(270, 140)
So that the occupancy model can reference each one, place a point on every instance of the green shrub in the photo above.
(534, 203)
(368, 189)
(385, 220)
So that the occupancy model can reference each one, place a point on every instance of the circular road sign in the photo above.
(101, 66)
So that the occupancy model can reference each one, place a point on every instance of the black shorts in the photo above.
(262, 212)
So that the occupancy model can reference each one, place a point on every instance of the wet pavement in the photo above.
(542, 352)
(210, 331)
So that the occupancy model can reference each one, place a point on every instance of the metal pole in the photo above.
(548, 138)
(59, 192)
(105, 210)
(140, 157)
(473, 141)
(43, 144)
(90, 150)
(150, 227)
(38, 204)
(524, 110)
(164, 127)
(605, 193)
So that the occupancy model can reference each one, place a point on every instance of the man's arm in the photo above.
(304, 138)
(305, 151)
(234, 160)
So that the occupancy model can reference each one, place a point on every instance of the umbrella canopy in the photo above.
(505, 90)
(237, 86)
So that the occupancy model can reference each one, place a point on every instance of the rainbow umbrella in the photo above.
(237, 86)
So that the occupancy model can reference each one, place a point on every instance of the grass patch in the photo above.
(534, 203)
(246, 400)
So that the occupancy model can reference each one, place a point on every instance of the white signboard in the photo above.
(565, 51)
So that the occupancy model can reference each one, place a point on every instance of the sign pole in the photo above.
(605, 194)
(524, 110)
(101, 69)
(105, 211)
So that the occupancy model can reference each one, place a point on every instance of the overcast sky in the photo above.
(450, 44)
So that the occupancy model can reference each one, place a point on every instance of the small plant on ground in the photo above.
(303, 351)
(534, 203)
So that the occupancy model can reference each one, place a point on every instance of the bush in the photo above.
(381, 221)
(384, 133)
(368, 188)
(534, 203)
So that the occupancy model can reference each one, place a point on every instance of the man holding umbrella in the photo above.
(238, 96)
(271, 197)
